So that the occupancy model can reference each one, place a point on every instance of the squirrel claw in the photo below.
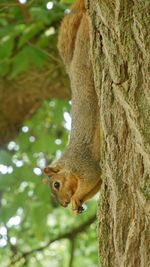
(78, 211)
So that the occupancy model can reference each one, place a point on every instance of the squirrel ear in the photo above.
(51, 170)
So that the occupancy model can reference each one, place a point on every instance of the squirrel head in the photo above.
(63, 184)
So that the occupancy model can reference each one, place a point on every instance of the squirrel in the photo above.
(75, 177)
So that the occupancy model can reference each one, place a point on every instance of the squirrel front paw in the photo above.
(76, 206)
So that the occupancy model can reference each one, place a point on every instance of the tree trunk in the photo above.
(120, 43)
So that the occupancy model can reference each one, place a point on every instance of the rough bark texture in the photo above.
(20, 97)
(120, 53)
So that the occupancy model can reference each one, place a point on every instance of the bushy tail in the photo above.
(68, 31)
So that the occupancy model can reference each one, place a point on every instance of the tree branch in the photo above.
(69, 234)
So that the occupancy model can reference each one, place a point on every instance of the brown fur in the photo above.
(68, 31)
(78, 170)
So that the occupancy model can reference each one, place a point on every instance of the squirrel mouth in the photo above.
(65, 204)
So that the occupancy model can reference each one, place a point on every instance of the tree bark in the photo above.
(22, 96)
(120, 45)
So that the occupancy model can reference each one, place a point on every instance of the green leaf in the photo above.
(6, 46)
(37, 57)
(20, 62)
(29, 33)
(28, 55)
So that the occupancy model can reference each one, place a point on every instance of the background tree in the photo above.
(121, 55)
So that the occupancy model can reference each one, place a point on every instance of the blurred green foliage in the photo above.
(31, 222)
(29, 216)
(26, 31)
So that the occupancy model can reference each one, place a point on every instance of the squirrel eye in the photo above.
(57, 185)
